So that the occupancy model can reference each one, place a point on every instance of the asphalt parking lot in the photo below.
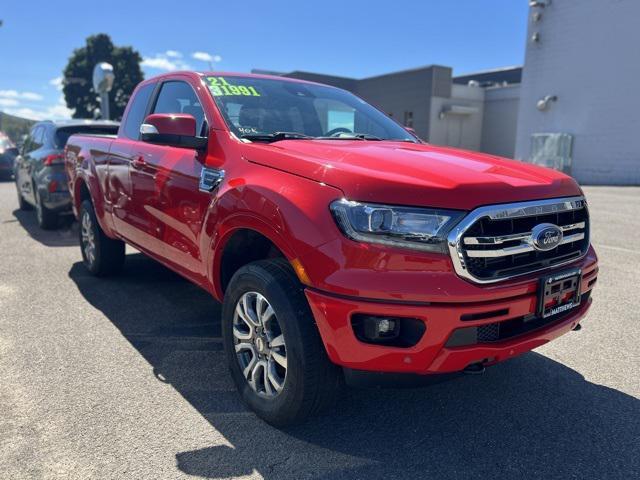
(124, 378)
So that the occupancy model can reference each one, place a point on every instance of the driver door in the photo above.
(165, 184)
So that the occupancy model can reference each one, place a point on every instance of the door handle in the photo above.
(138, 162)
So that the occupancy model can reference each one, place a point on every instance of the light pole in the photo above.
(103, 78)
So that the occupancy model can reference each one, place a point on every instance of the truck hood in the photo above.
(413, 174)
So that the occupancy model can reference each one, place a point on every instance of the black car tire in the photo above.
(22, 203)
(47, 219)
(312, 382)
(106, 255)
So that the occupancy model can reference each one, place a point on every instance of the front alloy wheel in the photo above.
(87, 238)
(273, 346)
(259, 344)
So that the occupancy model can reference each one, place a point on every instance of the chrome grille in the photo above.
(494, 243)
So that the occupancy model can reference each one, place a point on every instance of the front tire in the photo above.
(100, 254)
(273, 347)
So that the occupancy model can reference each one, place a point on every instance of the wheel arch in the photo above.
(87, 188)
(240, 242)
(294, 218)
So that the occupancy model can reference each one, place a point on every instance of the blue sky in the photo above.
(348, 38)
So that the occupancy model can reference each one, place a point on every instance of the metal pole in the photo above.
(104, 105)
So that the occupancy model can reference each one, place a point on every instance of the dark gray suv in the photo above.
(39, 169)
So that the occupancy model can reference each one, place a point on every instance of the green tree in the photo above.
(78, 76)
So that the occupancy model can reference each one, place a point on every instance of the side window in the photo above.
(179, 97)
(28, 141)
(138, 108)
(35, 139)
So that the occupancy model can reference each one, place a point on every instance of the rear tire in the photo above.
(22, 203)
(100, 254)
(308, 382)
(47, 219)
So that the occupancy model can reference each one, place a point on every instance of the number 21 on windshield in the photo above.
(220, 87)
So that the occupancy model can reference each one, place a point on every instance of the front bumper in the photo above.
(432, 354)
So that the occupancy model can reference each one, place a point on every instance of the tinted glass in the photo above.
(135, 117)
(255, 106)
(63, 134)
(36, 138)
(179, 97)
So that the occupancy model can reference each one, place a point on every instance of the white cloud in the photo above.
(8, 102)
(20, 95)
(160, 63)
(164, 61)
(49, 112)
(206, 57)
(31, 96)
(56, 82)
(202, 56)
(173, 54)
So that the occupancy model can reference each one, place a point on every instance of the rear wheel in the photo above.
(273, 346)
(22, 203)
(47, 219)
(100, 254)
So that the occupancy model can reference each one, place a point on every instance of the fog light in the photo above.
(391, 331)
(385, 325)
(380, 328)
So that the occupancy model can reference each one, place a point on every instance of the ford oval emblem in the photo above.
(546, 236)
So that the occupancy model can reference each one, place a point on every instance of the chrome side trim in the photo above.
(505, 211)
(147, 129)
(210, 178)
(524, 248)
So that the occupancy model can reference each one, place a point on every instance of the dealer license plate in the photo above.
(559, 293)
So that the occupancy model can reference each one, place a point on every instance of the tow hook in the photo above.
(474, 369)
(577, 328)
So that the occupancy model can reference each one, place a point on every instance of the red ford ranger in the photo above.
(336, 240)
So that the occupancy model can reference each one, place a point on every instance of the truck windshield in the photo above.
(271, 109)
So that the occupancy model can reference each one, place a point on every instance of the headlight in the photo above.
(416, 228)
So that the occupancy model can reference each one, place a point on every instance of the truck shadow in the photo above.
(530, 417)
(66, 235)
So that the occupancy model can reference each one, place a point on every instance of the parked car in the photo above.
(337, 242)
(40, 178)
(8, 153)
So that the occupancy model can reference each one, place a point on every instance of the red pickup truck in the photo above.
(337, 241)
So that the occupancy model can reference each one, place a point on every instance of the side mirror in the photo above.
(413, 132)
(172, 129)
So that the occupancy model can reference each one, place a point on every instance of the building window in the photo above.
(408, 119)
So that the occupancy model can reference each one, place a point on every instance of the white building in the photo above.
(583, 56)
(575, 105)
